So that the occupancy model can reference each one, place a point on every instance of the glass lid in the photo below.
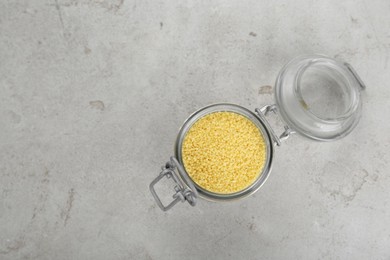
(319, 97)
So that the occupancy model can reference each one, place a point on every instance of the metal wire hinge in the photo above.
(182, 191)
(262, 113)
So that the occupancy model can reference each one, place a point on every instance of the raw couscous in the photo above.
(224, 152)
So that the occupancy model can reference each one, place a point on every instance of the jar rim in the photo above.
(227, 107)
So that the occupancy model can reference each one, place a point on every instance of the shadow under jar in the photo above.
(317, 97)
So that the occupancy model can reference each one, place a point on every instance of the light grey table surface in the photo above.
(92, 94)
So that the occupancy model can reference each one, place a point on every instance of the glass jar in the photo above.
(317, 97)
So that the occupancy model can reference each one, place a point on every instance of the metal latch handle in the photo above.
(264, 111)
(184, 191)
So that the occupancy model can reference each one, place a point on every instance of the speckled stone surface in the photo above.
(93, 92)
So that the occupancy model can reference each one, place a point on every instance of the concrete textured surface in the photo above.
(92, 95)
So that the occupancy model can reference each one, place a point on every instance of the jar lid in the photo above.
(319, 97)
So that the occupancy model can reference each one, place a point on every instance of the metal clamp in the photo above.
(262, 113)
(185, 191)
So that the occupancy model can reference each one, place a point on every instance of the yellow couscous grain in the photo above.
(224, 152)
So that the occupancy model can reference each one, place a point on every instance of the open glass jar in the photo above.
(317, 97)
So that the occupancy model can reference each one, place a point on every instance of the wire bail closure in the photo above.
(185, 190)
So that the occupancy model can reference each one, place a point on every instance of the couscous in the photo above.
(224, 152)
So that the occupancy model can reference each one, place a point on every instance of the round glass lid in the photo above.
(319, 97)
